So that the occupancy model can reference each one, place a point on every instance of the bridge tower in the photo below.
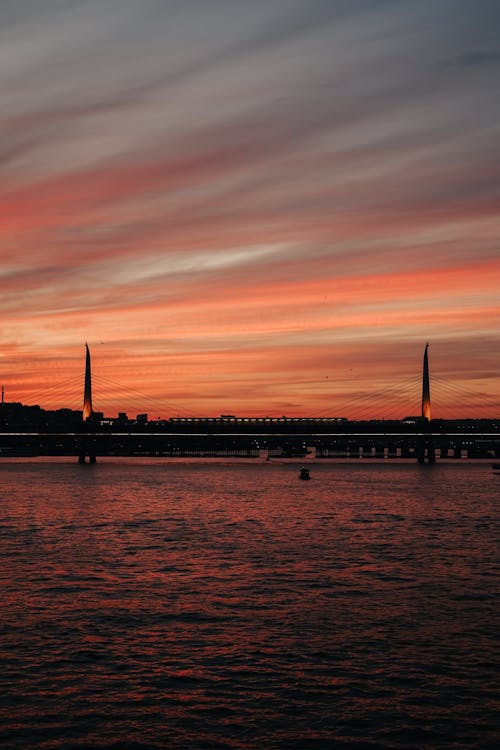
(87, 390)
(87, 413)
(425, 447)
(426, 391)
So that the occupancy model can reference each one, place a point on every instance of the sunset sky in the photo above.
(255, 208)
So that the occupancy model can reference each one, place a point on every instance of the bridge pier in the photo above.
(82, 458)
(87, 449)
(426, 452)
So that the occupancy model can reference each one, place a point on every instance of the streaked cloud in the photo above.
(246, 187)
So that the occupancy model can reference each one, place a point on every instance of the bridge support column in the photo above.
(431, 452)
(82, 458)
(86, 448)
(426, 452)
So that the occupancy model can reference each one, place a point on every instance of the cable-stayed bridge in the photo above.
(395, 399)
(86, 433)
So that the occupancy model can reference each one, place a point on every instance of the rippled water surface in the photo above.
(210, 605)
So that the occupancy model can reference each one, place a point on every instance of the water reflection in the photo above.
(207, 605)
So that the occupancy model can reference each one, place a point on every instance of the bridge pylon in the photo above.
(426, 452)
(86, 447)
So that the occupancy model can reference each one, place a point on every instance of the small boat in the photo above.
(304, 473)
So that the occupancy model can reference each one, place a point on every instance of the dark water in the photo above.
(169, 605)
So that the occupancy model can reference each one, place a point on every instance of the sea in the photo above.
(227, 605)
